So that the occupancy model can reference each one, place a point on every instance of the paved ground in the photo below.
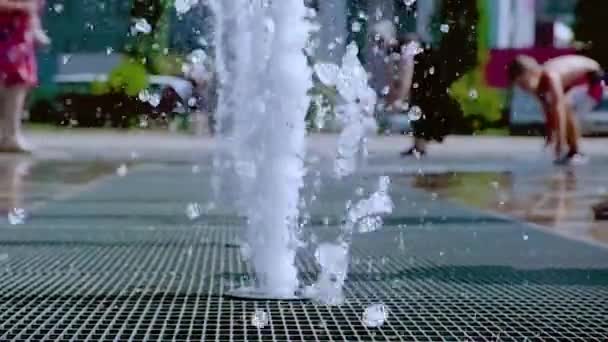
(107, 251)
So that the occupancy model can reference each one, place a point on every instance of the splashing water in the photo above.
(375, 315)
(16, 216)
(356, 114)
(193, 211)
(333, 259)
(264, 79)
(360, 214)
(357, 118)
(141, 25)
(260, 319)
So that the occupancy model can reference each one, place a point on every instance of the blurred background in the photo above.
(88, 81)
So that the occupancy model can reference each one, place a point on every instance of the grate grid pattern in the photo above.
(72, 275)
(170, 290)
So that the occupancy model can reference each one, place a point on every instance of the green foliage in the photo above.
(43, 93)
(458, 45)
(149, 47)
(476, 98)
(590, 19)
(439, 66)
(129, 77)
(167, 65)
(100, 88)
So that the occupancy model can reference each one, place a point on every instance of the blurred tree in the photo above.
(437, 68)
(457, 25)
(588, 28)
(480, 103)
(146, 47)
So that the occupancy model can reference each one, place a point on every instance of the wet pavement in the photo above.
(556, 200)
(483, 245)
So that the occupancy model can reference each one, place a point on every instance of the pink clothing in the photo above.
(17, 50)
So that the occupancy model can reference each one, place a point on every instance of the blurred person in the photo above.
(565, 86)
(419, 93)
(401, 69)
(20, 31)
(13, 171)
(200, 75)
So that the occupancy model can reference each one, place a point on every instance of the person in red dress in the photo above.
(20, 31)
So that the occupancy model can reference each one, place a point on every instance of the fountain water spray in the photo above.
(356, 114)
(265, 78)
(357, 117)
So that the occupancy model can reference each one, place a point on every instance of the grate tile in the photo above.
(70, 278)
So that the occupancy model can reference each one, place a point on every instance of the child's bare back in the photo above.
(571, 68)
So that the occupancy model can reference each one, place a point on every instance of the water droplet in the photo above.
(356, 27)
(415, 113)
(196, 169)
(260, 319)
(16, 216)
(525, 237)
(445, 28)
(109, 50)
(58, 8)
(473, 94)
(193, 211)
(375, 315)
(154, 100)
(144, 96)
(202, 41)
(122, 170)
(141, 26)
(183, 6)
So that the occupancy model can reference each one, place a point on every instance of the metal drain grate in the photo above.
(78, 279)
(166, 285)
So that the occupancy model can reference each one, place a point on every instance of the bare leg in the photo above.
(12, 103)
(200, 123)
(572, 133)
(13, 170)
(420, 145)
(561, 133)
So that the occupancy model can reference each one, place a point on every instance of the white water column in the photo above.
(265, 80)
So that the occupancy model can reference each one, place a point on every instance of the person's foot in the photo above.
(413, 152)
(15, 145)
(600, 211)
(572, 158)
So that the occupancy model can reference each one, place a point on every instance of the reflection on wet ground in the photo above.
(26, 182)
(559, 201)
